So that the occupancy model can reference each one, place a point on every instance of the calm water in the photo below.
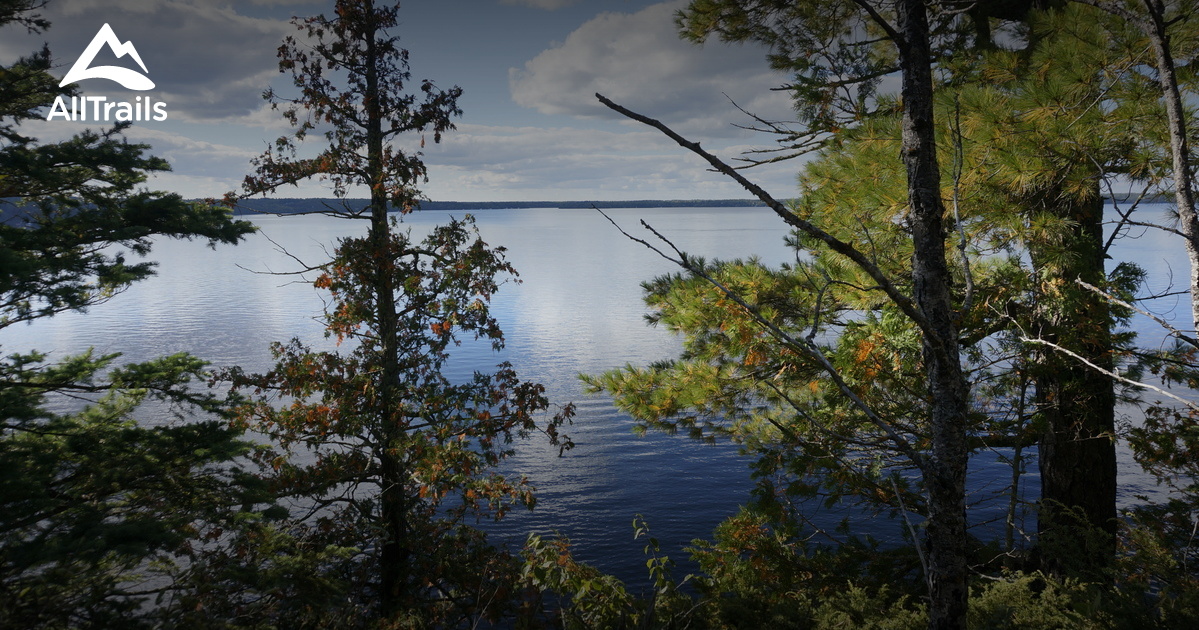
(578, 310)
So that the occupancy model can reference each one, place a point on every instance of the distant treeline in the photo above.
(297, 206)
(14, 213)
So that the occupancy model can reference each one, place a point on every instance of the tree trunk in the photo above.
(945, 468)
(1184, 193)
(395, 553)
(1076, 404)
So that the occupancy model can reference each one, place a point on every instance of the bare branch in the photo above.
(1156, 226)
(1174, 332)
(1124, 214)
(1115, 9)
(892, 32)
(1110, 373)
(795, 143)
(305, 267)
(902, 301)
(928, 578)
(958, 159)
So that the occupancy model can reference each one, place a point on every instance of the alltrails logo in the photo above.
(101, 108)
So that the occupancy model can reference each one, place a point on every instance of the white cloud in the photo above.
(211, 64)
(501, 146)
(479, 163)
(548, 5)
(193, 156)
(207, 60)
(199, 168)
(639, 61)
(522, 163)
(261, 118)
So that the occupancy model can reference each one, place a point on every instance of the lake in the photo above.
(577, 310)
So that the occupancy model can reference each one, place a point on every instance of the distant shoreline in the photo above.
(283, 206)
(11, 211)
(302, 205)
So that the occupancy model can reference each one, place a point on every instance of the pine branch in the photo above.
(902, 301)
(807, 346)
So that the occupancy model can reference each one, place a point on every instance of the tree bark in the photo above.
(945, 471)
(1075, 403)
(1184, 191)
(395, 553)
(1154, 25)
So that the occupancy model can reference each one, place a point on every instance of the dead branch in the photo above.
(1110, 373)
(902, 301)
(1174, 332)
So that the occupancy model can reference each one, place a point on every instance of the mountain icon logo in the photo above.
(131, 79)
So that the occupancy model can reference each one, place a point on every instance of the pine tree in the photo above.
(396, 454)
(839, 47)
(1047, 170)
(819, 368)
(89, 496)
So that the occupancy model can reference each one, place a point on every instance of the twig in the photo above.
(958, 160)
(306, 268)
(795, 143)
(1109, 373)
(1124, 215)
(1158, 226)
(892, 33)
(928, 580)
(1174, 332)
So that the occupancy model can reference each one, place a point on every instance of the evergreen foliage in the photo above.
(1033, 128)
(126, 495)
(107, 487)
(385, 457)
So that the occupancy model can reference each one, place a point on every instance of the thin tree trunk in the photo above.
(945, 472)
(1184, 192)
(395, 553)
(1153, 24)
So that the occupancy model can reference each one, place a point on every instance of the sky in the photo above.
(531, 130)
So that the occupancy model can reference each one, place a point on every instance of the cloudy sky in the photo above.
(531, 130)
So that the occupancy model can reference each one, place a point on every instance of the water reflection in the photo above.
(578, 310)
